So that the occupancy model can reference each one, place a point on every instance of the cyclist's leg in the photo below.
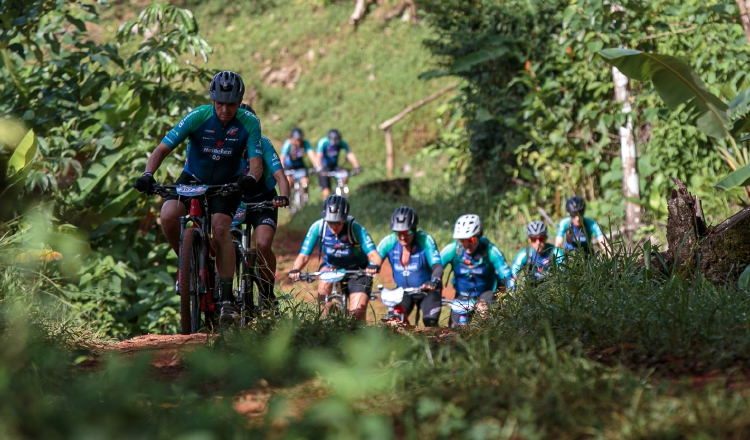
(408, 304)
(290, 179)
(325, 184)
(171, 211)
(223, 209)
(267, 260)
(431, 306)
(324, 289)
(359, 295)
(484, 301)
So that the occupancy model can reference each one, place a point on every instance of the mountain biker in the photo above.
(327, 150)
(345, 244)
(224, 146)
(415, 262)
(264, 222)
(478, 264)
(293, 155)
(578, 232)
(539, 256)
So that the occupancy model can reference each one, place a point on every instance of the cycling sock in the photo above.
(226, 289)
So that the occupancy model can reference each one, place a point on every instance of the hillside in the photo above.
(305, 66)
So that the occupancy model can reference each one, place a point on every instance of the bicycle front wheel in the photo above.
(190, 281)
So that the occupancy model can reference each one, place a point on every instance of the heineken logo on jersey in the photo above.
(219, 151)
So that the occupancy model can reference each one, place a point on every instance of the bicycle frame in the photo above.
(337, 278)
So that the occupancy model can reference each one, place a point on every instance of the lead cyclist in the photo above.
(224, 146)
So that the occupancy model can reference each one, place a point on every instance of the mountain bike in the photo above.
(338, 297)
(393, 299)
(198, 280)
(462, 307)
(247, 271)
(299, 190)
(341, 175)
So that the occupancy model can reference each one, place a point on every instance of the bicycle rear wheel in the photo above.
(190, 281)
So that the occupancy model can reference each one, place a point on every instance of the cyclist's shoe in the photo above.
(228, 313)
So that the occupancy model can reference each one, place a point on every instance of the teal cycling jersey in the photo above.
(216, 154)
(579, 237)
(479, 272)
(330, 152)
(418, 270)
(537, 263)
(271, 164)
(294, 156)
(347, 249)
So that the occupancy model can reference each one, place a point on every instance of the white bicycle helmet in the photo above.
(467, 226)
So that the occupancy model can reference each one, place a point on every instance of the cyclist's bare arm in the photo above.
(319, 162)
(558, 242)
(374, 258)
(299, 264)
(282, 182)
(314, 160)
(604, 245)
(352, 159)
(157, 157)
(256, 168)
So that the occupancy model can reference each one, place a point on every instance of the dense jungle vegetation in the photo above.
(609, 348)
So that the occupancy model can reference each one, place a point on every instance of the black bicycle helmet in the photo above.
(247, 107)
(226, 87)
(575, 205)
(536, 228)
(297, 133)
(334, 137)
(404, 219)
(335, 208)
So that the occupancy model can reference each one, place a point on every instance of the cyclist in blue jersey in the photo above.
(415, 262)
(344, 244)
(264, 222)
(478, 264)
(537, 258)
(224, 146)
(293, 155)
(577, 232)
(328, 149)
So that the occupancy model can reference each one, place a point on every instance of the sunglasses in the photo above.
(404, 233)
(471, 240)
(538, 238)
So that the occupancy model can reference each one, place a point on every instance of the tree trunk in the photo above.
(630, 179)
(720, 253)
(744, 6)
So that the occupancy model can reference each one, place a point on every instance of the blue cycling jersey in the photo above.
(330, 152)
(479, 272)
(338, 249)
(271, 164)
(537, 264)
(216, 154)
(294, 156)
(418, 270)
(579, 237)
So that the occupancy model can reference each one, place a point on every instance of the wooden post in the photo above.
(389, 152)
(386, 126)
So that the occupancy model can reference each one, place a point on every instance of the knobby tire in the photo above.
(190, 281)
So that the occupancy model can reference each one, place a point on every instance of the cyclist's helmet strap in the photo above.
(226, 87)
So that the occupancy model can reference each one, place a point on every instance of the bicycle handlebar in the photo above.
(166, 190)
(310, 277)
(268, 204)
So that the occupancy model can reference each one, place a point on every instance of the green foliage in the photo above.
(96, 108)
(541, 121)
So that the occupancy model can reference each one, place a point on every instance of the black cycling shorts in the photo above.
(486, 297)
(430, 303)
(325, 182)
(268, 217)
(216, 204)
